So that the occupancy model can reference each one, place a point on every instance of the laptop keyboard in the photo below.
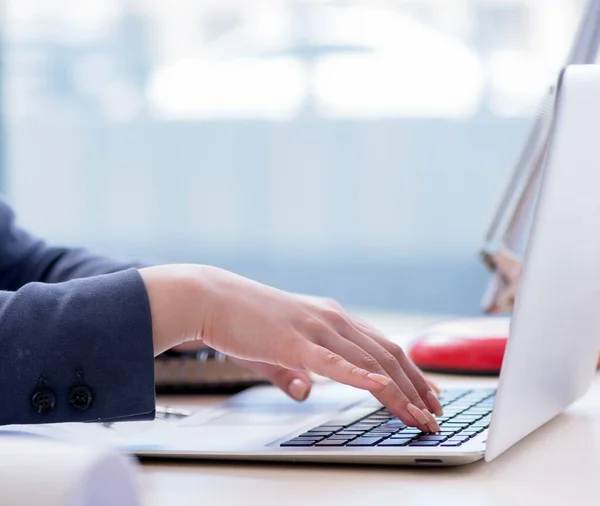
(467, 413)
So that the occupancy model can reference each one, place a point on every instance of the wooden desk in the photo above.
(557, 465)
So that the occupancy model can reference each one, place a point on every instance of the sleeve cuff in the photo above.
(89, 343)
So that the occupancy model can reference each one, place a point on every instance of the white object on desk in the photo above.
(39, 471)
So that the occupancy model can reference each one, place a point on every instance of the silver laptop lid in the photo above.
(553, 346)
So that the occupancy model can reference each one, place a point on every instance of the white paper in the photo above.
(35, 470)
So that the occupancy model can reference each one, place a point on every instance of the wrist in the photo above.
(175, 295)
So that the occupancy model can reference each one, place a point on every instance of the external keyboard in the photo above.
(467, 413)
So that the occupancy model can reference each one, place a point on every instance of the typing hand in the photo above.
(296, 384)
(285, 335)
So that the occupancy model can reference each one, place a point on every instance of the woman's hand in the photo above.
(296, 384)
(280, 331)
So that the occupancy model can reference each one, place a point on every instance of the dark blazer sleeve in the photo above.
(77, 350)
(25, 258)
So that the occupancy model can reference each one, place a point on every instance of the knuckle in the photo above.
(367, 328)
(332, 303)
(334, 317)
(400, 353)
(332, 359)
(277, 375)
(388, 361)
(369, 362)
(394, 349)
(357, 371)
(313, 327)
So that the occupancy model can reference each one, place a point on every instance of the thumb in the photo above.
(296, 384)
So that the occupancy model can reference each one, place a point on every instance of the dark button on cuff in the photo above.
(80, 398)
(43, 401)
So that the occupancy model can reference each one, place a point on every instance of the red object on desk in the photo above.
(468, 346)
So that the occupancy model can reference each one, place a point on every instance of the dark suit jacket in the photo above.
(75, 334)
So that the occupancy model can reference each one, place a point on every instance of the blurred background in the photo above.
(355, 149)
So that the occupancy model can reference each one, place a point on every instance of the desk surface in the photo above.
(558, 464)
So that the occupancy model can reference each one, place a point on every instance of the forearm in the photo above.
(94, 333)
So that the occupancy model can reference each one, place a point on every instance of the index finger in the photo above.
(326, 363)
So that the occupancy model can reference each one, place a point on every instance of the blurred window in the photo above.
(349, 148)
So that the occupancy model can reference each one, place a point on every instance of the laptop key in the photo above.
(350, 416)
(424, 443)
(394, 442)
(455, 441)
(345, 437)
(298, 442)
(464, 436)
(318, 438)
(432, 437)
(315, 434)
(332, 442)
(359, 426)
(451, 425)
(365, 441)
(394, 428)
(469, 432)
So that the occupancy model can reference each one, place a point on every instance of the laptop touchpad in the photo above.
(270, 406)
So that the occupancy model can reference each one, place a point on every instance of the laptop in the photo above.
(550, 359)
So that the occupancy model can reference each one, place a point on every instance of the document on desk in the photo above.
(37, 470)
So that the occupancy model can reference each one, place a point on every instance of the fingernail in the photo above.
(298, 389)
(418, 415)
(432, 424)
(434, 404)
(380, 379)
